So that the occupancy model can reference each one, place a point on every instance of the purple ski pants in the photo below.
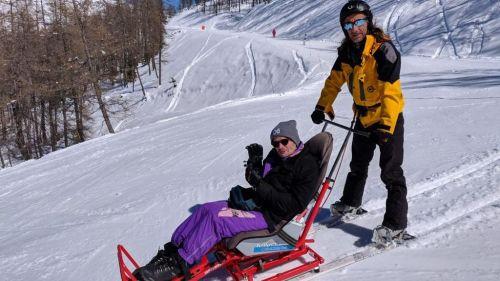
(209, 224)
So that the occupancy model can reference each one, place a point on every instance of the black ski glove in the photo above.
(254, 164)
(255, 153)
(318, 116)
(380, 137)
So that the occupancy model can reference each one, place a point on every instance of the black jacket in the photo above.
(288, 187)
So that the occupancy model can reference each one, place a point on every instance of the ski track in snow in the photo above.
(456, 200)
(388, 19)
(439, 180)
(176, 97)
(462, 200)
(253, 71)
(443, 204)
(199, 57)
(396, 11)
(449, 31)
(300, 66)
(236, 145)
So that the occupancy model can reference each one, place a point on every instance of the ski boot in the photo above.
(384, 236)
(164, 266)
(345, 212)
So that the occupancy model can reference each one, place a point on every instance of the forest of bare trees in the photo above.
(217, 6)
(55, 58)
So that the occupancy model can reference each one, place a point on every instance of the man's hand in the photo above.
(255, 154)
(253, 169)
(380, 137)
(318, 116)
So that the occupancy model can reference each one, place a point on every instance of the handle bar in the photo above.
(357, 132)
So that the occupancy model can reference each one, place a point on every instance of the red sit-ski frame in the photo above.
(243, 267)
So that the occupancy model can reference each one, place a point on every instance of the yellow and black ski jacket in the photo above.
(373, 80)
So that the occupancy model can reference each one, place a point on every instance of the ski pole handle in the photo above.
(357, 132)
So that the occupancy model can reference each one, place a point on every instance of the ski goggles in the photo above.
(350, 25)
(276, 144)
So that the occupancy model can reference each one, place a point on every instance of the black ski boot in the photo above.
(172, 250)
(163, 267)
(183, 266)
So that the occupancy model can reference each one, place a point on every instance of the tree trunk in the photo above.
(29, 139)
(140, 81)
(154, 66)
(3, 137)
(20, 141)
(1, 158)
(65, 123)
(53, 125)
(36, 135)
(102, 107)
(92, 70)
(36, 128)
(159, 64)
(79, 120)
(43, 128)
(9, 158)
(3, 121)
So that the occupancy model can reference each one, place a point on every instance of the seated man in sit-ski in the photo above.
(282, 187)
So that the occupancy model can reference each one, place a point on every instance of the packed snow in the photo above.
(62, 216)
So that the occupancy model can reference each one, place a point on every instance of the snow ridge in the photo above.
(301, 66)
(251, 62)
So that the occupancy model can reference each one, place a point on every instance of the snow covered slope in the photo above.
(62, 216)
(457, 28)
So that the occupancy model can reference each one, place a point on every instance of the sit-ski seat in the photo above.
(286, 234)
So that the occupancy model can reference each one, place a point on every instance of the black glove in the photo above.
(254, 164)
(318, 116)
(255, 153)
(380, 137)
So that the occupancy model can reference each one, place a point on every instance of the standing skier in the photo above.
(370, 64)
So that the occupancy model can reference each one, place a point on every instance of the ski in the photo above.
(366, 252)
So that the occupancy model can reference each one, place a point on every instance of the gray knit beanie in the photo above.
(286, 129)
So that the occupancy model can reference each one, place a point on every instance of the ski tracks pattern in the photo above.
(199, 57)
(253, 70)
(301, 66)
(440, 180)
(469, 197)
(466, 195)
(448, 31)
(392, 20)
(469, 189)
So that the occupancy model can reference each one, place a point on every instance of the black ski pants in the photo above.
(391, 159)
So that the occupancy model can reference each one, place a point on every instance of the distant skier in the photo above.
(370, 64)
(274, 32)
(282, 186)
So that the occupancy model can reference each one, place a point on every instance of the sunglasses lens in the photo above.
(360, 22)
(349, 25)
(284, 142)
